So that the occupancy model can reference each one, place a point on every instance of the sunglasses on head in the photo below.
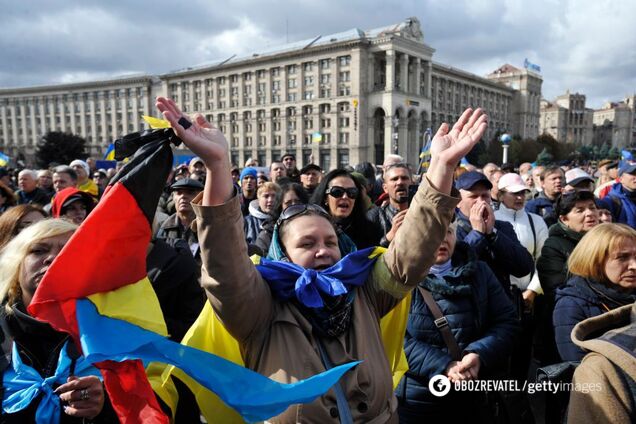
(300, 209)
(338, 192)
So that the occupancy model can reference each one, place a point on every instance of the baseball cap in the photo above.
(467, 180)
(512, 183)
(627, 168)
(576, 175)
(310, 167)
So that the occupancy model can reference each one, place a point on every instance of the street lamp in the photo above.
(396, 123)
(505, 141)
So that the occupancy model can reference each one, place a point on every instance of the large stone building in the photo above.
(615, 124)
(567, 119)
(342, 98)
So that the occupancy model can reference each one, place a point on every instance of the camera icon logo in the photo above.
(439, 385)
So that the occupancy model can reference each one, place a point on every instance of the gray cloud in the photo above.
(582, 46)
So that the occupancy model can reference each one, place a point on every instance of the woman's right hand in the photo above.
(201, 137)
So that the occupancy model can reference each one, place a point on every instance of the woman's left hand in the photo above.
(84, 395)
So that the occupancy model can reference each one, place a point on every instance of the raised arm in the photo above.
(412, 251)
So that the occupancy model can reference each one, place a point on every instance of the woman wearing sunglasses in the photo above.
(341, 196)
(313, 309)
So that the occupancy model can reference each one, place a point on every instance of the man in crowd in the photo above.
(178, 225)
(552, 180)
(495, 242)
(101, 180)
(608, 170)
(578, 180)
(84, 182)
(489, 169)
(621, 200)
(494, 192)
(524, 168)
(29, 192)
(390, 217)
(45, 182)
(277, 171)
(310, 177)
(289, 160)
(248, 188)
(64, 177)
(536, 178)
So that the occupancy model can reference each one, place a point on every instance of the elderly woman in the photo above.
(577, 215)
(483, 324)
(341, 195)
(333, 317)
(603, 266)
(46, 370)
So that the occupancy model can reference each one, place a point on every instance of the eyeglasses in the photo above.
(300, 209)
(338, 192)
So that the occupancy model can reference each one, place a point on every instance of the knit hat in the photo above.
(248, 171)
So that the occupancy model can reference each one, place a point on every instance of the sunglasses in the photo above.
(338, 192)
(300, 209)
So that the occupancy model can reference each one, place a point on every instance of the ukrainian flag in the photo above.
(4, 159)
(110, 152)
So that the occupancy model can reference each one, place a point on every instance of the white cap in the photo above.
(512, 182)
(81, 163)
(577, 175)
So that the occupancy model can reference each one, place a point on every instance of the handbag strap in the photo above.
(341, 400)
(442, 324)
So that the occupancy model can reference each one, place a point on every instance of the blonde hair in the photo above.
(269, 186)
(591, 253)
(12, 256)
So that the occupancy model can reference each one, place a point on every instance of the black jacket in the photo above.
(552, 264)
(383, 218)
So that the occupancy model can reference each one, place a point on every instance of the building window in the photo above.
(343, 122)
(344, 60)
(291, 97)
(325, 108)
(308, 95)
(344, 76)
(325, 93)
(325, 78)
(325, 123)
(275, 71)
(324, 64)
(291, 83)
(308, 66)
(291, 69)
(344, 90)
(343, 138)
(344, 107)
(325, 159)
(343, 158)
(233, 78)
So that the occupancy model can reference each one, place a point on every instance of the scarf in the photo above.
(22, 384)
(441, 270)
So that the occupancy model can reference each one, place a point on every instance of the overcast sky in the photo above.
(586, 46)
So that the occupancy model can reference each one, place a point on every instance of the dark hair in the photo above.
(65, 169)
(8, 193)
(566, 202)
(366, 169)
(550, 170)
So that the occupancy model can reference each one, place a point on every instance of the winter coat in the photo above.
(532, 240)
(579, 300)
(552, 265)
(501, 250)
(543, 207)
(37, 196)
(622, 204)
(39, 347)
(253, 223)
(277, 340)
(172, 230)
(608, 371)
(480, 316)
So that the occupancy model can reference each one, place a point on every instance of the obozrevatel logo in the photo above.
(439, 385)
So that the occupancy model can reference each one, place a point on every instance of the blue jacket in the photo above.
(479, 314)
(580, 299)
(543, 207)
(622, 204)
(502, 252)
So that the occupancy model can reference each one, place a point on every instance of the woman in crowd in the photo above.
(299, 315)
(37, 353)
(577, 214)
(603, 266)
(7, 197)
(483, 324)
(341, 195)
(17, 219)
(291, 194)
(72, 204)
(261, 210)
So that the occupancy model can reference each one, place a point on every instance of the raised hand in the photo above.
(201, 137)
(449, 147)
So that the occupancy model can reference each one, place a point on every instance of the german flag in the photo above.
(97, 290)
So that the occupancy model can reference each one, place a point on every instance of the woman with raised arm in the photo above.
(313, 309)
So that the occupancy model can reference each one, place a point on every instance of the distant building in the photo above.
(342, 98)
(615, 124)
(567, 119)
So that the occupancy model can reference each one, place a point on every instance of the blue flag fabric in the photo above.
(254, 396)
(22, 384)
(288, 280)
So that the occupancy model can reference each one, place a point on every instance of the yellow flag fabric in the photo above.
(156, 123)
(209, 334)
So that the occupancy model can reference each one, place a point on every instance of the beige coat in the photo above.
(277, 340)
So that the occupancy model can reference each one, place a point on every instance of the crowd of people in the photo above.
(509, 270)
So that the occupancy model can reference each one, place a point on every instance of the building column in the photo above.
(390, 71)
(388, 135)
(32, 124)
(418, 77)
(404, 73)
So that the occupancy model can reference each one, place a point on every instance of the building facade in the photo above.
(338, 99)
(615, 124)
(567, 119)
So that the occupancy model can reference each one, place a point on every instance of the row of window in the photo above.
(307, 140)
(324, 157)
